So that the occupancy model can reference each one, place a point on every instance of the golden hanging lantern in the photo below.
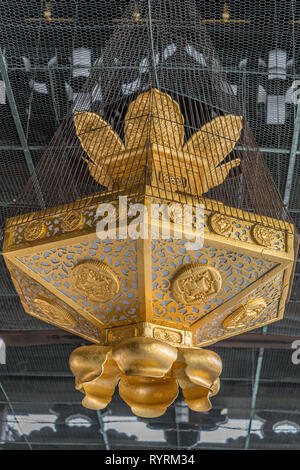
(149, 305)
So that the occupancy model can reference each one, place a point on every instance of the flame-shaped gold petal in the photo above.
(211, 177)
(144, 357)
(99, 392)
(202, 367)
(154, 117)
(87, 363)
(148, 397)
(216, 139)
(99, 141)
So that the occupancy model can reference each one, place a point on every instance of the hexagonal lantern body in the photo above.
(108, 289)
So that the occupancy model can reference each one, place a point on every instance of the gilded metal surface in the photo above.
(220, 224)
(154, 129)
(99, 141)
(154, 117)
(242, 222)
(55, 312)
(116, 335)
(245, 315)
(151, 303)
(172, 181)
(148, 397)
(238, 271)
(202, 367)
(172, 336)
(263, 235)
(95, 280)
(53, 267)
(144, 357)
(96, 375)
(211, 329)
(237, 258)
(148, 373)
(163, 334)
(87, 363)
(99, 392)
(216, 139)
(240, 266)
(197, 372)
(34, 230)
(196, 284)
(197, 398)
(29, 290)
(71, 221)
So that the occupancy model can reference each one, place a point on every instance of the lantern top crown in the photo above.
(154, 130)
(157, 116)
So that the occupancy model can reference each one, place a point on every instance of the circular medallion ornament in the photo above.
(55, 313)
(220, 224)
(71, 221)
(195, 284)
(95, 280)
(34, 230)
(245, 315)
(262, 235)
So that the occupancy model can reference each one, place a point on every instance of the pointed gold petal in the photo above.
(154, 118)
(211, 177)
(99, 141)
(87, 363)
(216, 139)
(147, 397)
(203, 367)
(144, 357)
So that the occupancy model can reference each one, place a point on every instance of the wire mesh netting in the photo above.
(89, 57)
(157, 112)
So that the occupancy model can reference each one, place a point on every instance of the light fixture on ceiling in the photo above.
(48, 18)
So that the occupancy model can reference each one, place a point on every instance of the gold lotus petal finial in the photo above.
(149, 372)
(144, 357)
(197, 373)
(202, 366)
(99, 392)
(148, 397)
(154, 117)
(87, 363)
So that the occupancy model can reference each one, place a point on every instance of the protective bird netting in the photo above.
(158, 115)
